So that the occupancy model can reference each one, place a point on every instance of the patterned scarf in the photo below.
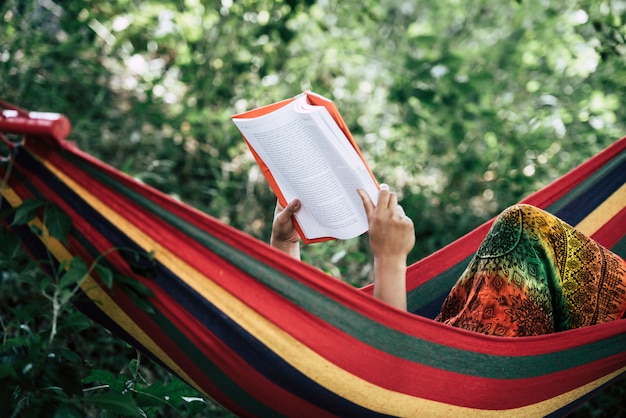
(534, 274)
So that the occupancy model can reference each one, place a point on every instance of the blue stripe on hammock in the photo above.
(587, 196)
(475, 364)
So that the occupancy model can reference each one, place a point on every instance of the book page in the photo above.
(311, 162)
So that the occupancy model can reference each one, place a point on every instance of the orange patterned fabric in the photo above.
(534, 274)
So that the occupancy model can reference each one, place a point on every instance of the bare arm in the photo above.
(392, 237)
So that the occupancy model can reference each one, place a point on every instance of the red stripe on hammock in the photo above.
(306, 274)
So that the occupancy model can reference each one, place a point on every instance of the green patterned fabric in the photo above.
(534, 274)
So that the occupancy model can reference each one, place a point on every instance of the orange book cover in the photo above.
(316, 100)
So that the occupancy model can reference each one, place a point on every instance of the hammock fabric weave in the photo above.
(266, 335)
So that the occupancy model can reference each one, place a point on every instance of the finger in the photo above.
(367, 202)
(393, 201)
(383, 196)
(387, 200)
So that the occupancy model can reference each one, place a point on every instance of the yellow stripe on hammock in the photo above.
(300, 356)
(604, 212)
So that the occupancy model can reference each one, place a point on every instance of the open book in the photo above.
(306, 151)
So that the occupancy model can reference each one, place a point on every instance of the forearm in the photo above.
(390, 281)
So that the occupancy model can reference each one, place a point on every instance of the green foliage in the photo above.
(40, 375)
(463, 107)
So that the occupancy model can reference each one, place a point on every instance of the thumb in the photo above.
(291, 208)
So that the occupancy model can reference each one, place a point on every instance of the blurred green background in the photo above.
(464, 107)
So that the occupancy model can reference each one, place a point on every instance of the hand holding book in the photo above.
(325, 189)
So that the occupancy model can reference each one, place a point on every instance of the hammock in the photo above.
(266, 335)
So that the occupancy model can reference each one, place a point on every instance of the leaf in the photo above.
(44, 283)
(26, 211)
(105, 274)
(58, 223)
(138, 288)
(33, 309)
(74, 322)
(69, 355)
(115, 403)
(138, 292)
(175, 393)
(141, 263)
(35, 229)
(102, 377)
(142, 304)
(65, 294)
(76, 272)
(146, 400)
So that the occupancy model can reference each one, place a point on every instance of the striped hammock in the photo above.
(266, 335)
